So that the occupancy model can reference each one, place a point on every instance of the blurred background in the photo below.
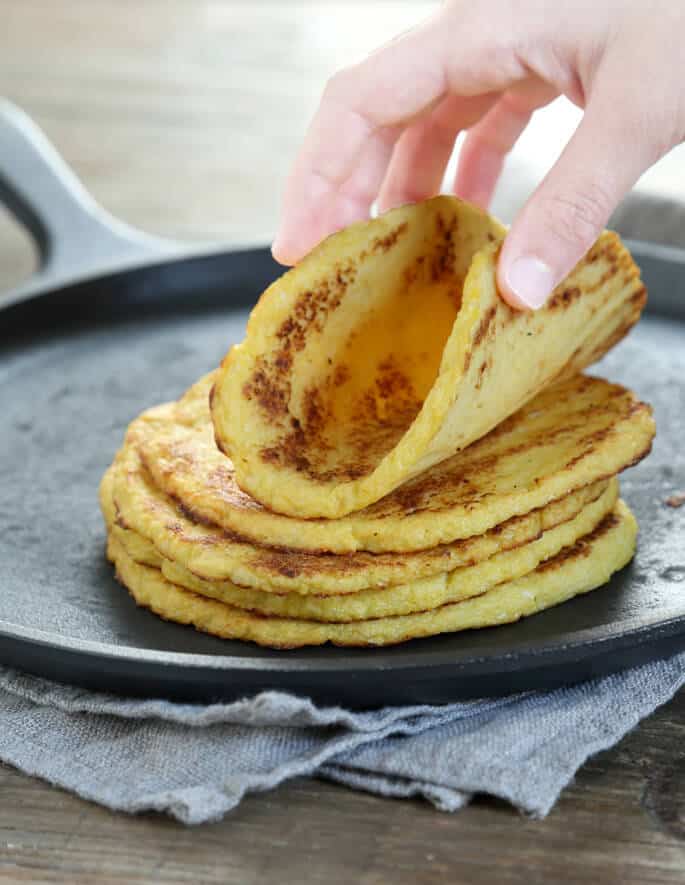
(182, 116)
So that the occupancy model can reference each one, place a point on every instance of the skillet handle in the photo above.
(74, 235)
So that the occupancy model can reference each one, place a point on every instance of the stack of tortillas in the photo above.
(392, 452)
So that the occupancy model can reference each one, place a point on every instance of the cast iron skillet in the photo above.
(116, 321)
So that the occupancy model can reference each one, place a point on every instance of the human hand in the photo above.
(385, 127)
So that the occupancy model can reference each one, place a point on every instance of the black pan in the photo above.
(116, 321)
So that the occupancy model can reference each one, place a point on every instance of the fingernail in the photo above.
(530, 280)
(279, 249)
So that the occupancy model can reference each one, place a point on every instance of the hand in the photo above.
(385, 128)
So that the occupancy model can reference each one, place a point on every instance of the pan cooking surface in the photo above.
(69, 392)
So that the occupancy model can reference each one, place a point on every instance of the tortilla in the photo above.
(414, 596)
(387, 349)
(210, 553)
(578, 569)
(573, 435)
(138, 547)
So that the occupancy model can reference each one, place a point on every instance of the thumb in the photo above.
(561, 220)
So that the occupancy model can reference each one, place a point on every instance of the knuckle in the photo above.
(664, 131)
(337, 88)
(644, 131)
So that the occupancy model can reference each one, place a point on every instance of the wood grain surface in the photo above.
(622, 822)
(181, 116)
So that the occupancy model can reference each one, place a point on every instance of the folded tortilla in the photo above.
(388, 349)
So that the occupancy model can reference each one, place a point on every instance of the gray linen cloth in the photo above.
(196, 762)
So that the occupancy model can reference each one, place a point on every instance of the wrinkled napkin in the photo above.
(196, 762)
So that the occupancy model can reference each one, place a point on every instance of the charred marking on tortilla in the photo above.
(485, 367)
(412, 273)
(383, 244)
(341, 375)
(269, 383)
(391, 381)
(271, 393)
(315, 411)
(484, 325)
(443, 259)
(288, 452)
(583, 547)
(564, 297)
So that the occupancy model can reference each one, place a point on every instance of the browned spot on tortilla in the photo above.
(295, 564)
(269, 383)
(341, 375)
(222, 476)
(312, 307)
(484, 326)
(418, 493)
(564, 297)
(191, 514)
(582, 547)
(283, 361)
(179, 518)
(303, 436)
(289, 452)
(271, 391)
(413, 271)
(482, 371)
(639, 297)
(290, 331)
(592, 440)
(221, 446)
(380, 417)
(383, 244)
(443, 258)
(315, 411)
(119, 519)
(391, 381)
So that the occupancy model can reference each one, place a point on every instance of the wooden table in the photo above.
(182, 117)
